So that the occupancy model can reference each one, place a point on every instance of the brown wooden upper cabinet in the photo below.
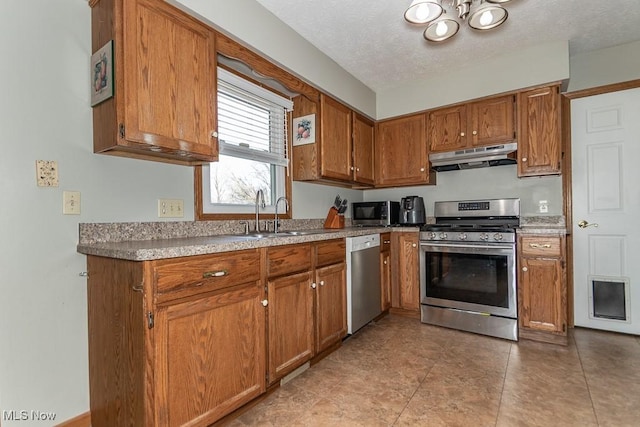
(539, 137)
(164, 103)
(343, 147)
(402, 156)
(476, 124)
(363, 149)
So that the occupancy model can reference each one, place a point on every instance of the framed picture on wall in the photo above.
(102, 74)
(304, 130)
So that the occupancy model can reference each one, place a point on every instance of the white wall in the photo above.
(602, 67)
(511, 71)
(248, 21)
(484, 183)
(45, 114)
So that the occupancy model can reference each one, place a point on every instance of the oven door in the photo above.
(478, 277)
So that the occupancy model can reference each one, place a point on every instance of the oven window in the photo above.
(471, 278)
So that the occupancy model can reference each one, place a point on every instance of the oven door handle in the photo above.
(468, 246)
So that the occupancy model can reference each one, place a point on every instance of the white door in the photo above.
(605, 145)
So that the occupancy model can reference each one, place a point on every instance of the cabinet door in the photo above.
(169, 79)
(539, 145)
(335, 143)
(447, 129)
(492, 121)
(385, 280)
(406, 257)
(363, 143)
(331, 305)
(291, 332)
(541, 295)
(210, 356)
(401, 152)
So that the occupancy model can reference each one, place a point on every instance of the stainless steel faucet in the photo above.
(286, 208)
(259, 204)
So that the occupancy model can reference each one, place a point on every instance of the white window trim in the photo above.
(207, 206)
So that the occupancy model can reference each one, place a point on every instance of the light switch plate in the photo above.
(170, 208)
(71, 202)
(47, 173)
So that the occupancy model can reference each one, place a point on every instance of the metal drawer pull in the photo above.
(525, 269)
(265, 302)
(137, 288)
(386, 242)
(539, 246)
(220, 273)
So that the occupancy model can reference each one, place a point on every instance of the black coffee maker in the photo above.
(412, 211)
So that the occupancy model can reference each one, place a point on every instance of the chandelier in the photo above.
(479, 14)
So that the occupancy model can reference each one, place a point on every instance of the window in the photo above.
(252, 130)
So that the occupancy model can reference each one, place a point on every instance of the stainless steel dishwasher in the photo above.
(363, 280)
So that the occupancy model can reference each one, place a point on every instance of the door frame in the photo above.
(567, 179)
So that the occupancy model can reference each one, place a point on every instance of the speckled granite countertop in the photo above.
(552, 224)
(150, 241)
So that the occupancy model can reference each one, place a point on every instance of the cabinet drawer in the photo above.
(283, 260)
(541, 246)
(385, 242)
(189, 275)
(330, 252)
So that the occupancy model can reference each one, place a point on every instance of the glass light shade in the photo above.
(441, 30)
(423, 12)
(498, 1)
(487, 17)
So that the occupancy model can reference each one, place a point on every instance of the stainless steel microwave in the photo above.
(376, 214)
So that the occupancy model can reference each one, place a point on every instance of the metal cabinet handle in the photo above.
(351, 167)
(137, 288)
(524, 159)
(214, 134)
(385, 262)
(525, 269)
(313, 285)
(475, 132)
(321, 282)
(461, 133)
(220, 273)
(265, 302)
(585, 224)
(421, 169)
(539, 246)
(386, 241)
(414, 245)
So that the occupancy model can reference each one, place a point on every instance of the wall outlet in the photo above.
(543, 206)
(170, 208)
(71, 202)
(47, 173)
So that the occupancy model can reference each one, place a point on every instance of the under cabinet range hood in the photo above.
(496, 155)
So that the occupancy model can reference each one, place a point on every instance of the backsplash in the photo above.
(126, 231)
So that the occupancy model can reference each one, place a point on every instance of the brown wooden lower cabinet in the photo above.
(168, 363)
(385, 271)
(331, 305)
(405, 293)
(542, 290)
(185, 341)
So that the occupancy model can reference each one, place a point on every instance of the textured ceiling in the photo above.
(372, 41)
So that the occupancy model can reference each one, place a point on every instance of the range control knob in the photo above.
(433, 235)
(484, 237)
(497, 237)
(462, 236)
(443, 236)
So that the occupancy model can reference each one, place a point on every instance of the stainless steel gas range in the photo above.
(467, 267)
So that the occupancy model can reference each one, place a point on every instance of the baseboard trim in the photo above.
(82, 420)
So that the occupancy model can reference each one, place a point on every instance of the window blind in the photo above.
(252, 121)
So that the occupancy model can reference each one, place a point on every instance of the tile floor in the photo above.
(399, 372)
